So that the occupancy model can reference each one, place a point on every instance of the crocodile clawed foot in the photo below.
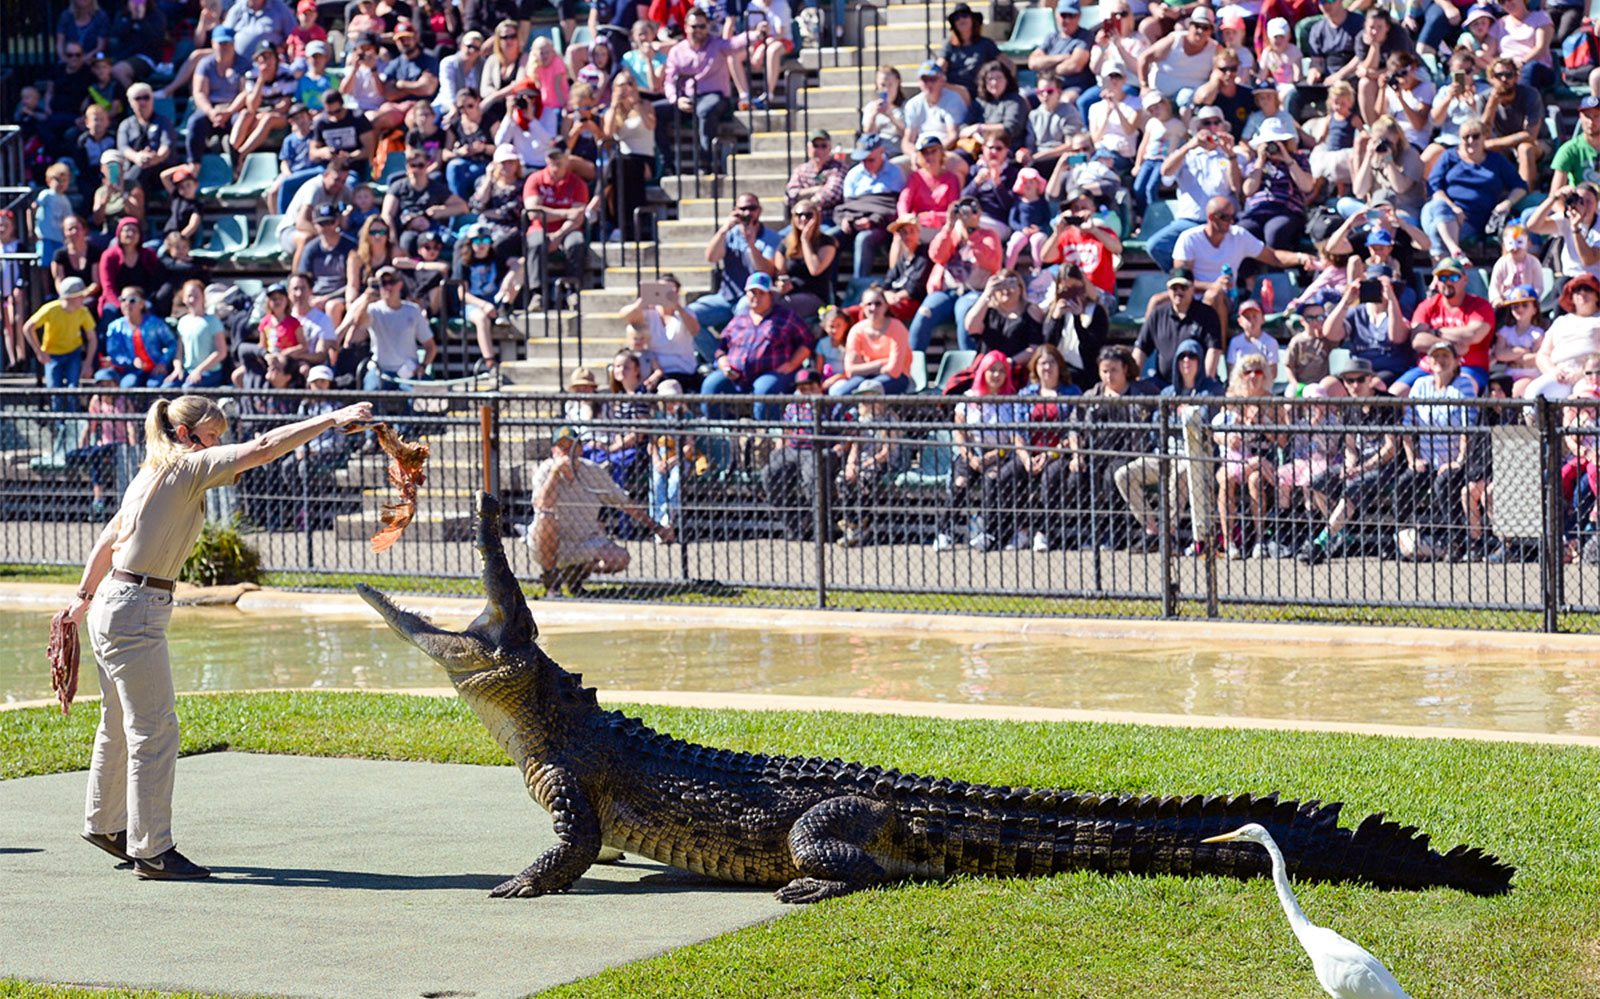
(520, 886)
(802, 891)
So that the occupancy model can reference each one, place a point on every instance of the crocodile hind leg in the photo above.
(578, 829)
(828, 844)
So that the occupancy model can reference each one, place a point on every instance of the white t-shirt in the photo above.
(397, 335)
(920, 115)
(1241, 346)
(671, 343)
(1421, 97)
(1194, 250)
(1120, 137)
(1570, 262)
(319, 329)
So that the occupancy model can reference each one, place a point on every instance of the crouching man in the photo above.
(568, 493)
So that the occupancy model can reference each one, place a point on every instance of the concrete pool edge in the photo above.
(732, 701)
(594, 613)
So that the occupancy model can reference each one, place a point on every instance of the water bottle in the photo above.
(1233, 290)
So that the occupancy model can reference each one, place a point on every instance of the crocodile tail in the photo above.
(1315, 848)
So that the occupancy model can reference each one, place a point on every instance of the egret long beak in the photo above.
(1224, 838)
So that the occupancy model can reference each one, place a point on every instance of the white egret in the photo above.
(1345, 969)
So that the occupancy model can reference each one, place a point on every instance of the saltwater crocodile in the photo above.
(815, 828)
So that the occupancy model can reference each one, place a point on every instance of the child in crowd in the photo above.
(1309, 351)
(1030, 218)
(314, 81)
(29, 115)
(1314, 450)
(1515, 268)
(484, 289)
(869, 463)
(1230, 32)
(102, 437)
(1335, 133)
(835, 326)
(328, 449)
(363, 205)
(1517, 345)
(50, 210)
(95, 139)
(649, 368)
(673, 456)
(1252, 339)
(13, 294)
(1481, 39)
(1282, 66)
(306, 31)
(183, 187)
(549, 76)
(1164, 132)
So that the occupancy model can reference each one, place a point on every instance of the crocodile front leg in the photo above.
(828, 844)
(576, 825)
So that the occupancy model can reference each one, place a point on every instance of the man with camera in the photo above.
(1450, 314)
(698, 74)
(555, 196)
(1216, 251)
(742, 246)
(1570, 216)
(1368, 321)
(1512, 115)
(1208, 166)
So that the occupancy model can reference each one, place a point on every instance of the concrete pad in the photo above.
(334, 878)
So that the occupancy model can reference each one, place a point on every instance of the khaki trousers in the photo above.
(1132, 478)
(136, 746)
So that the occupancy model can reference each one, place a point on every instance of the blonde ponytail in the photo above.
(161, 424)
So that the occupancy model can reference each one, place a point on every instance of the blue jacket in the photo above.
(160, 343)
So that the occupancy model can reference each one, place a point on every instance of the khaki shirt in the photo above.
(162, 512)
(578, 503)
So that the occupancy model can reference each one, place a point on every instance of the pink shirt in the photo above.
(1517, 41)
(929, 198)
(893, 347)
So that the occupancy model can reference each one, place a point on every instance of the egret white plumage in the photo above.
(1345, 969)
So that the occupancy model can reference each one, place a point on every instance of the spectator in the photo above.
(1375, 332)
(671, 332)
(819, 179)
(104, 88)
(1223, 91)
(1282, 65)
(1114, 123)
(871, 198)
(1335, 134)
(306, 31)
(1170, 323)
(991, 184)
(268, 93)
(522, 131)
(759, 352)
(420, 201)
(139, 346)
(870, 464)
(95, 142)
(501, 67)
(1453, 314)
(907, 281)
(1029, 220)
(61, 334)
(300, 219)
(1164, 132)
(997, 110)
(630, 123)
(569, 492)
(97, 449)
(1093, 464)
(1002, 319)
(967, 50)
(486, 288)
(374, 250)
(339, 133)
(178, 265)
(183, 188)
(1066, 53)
(412, 75)
(1275, 189)
(1331, 45)
(127, 262)
(258, 22)
(646, 62)
(965, 255)
(1516, 344)
(884, 116)
(1467, 186)
(670, 451)
(51, 208)
(1385, 169)
(1134, 479)
(144, 139)
(790, 480)
(1249, 454)
(1207, 166)
(362, 82)
(1515, 267)
(1513, 115)
(321, 338)
(1431, 487)
(66, 92)
(878, 349)
(1575, 158)
(710, 62)
(1050, 124)
(398, 330)
(937, 110)
(78, 258)
(1571, 338)
(1525, 39)
(582, 131)
(458, 71)
(983, 474)
(326, 258)
(138, 30)
(1117, 46)
(1180, 63)
(1045, 480)
(1216, 253)
(84, 24)
(281, 345)
(427, 270)
(555, 195)
(315, 83)
(295, 166)
(743, 247)
(1253, 341)
(1076, 323)
(932, 188)
(468, 145)
(498, 204)
(1573, 216)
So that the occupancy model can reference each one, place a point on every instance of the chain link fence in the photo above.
(1474, 513)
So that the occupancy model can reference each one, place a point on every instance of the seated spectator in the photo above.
(1377, 333)
(556, 200)
(522, 131)
(1525, 38)
(1223, 91)
(967, 51)
(1170, 323)
(1368, 470)
(711, 63)
(268, 92)
(427, 270)
(302, 220)
(582, 131)
(871, 197)
(965, 255)
(1451, 313)
(1335, 135)
(1117, 46)
(127, 262)
(1135, 479)
(985, 478)
(877, 349)
(468, 145)
(1516, 344)
(61, 334)
(1576, 157)
(419, 201)
(759, 352)
(819, 179)
(1573, 216)
(487, 289)
(1095, 458)
(327, 259)
(1429, 491)
(1002, 319)
(1115, 123)
(139, 347)
(97, 449)
(1515, 267)
(937, 111)
(258, 22)
(402, 344)
(340, 133)
(1044, 460)
(1513, 116)
(183, 188)
(1466, 186)
(932, 187)
(802, 264)
(997, 110)
(51, 208)
(321, 335)
(497, 201)
(1164, 132)
(1572, 337)
(1207, 166)
(178, 265)
(870, 463)
(670, 332)
(1216, 253)
(1050, 124)
(991, 184)
(281, 347)
(790, 480)
(907, 281)
(569, 492)
(1275, 188)
(883, 115)
(1067, 54)
(1076, 323)
(458, 71)
(646, 62)
(1249, 456)
(1282, 66)
(1180, 63)
(412, 75)
(1253, 341)
(1310, 349)
(1029, 221)
(743, 247)
(145, 139)
(295, 165)
(315, 82)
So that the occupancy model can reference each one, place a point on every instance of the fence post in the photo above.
(489, 431)
(1169, 585)
(819, 512)
(1550, 551)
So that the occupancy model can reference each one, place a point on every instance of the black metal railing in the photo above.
(1127, 507)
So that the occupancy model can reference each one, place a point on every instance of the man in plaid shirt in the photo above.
(759, 352)
(820, 178)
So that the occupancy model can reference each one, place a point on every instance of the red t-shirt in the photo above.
(569, 192)
(1091, 255)
(1435, 312)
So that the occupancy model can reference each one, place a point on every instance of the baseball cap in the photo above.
(1590, 103)
(1349, 365)
(318, 47)
(1209, 111)
(1516, 296)
(1233, 22)
(758, 282)
(1379, 237)
(320, 372)
(505, 154)
(871, 387)
(385, 273)
(298, 108)
(306, 5)
(805, 376)
(927, 140)
(1442, 345)
(866, 145)
(820, 133)
(1068, 7)
(929, 68)
(1277, 26)
(404, 27)
(183, 173)
(326, 210)
(1450, 265)
(1202, 15)
(222, 33)
(567, 433)
(276, 288)
(1249, 303)
(1180, 275)
(71, 286)
(431, 236)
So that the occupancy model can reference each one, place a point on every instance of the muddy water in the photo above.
(225, 649)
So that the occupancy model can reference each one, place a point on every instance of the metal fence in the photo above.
(1466, 514)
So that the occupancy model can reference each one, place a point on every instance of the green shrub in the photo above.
(222, 556)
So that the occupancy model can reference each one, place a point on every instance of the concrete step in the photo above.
(910, 31)
(846, 75)
(814, 59)
(762, 184)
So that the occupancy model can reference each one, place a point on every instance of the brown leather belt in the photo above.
(154, 582)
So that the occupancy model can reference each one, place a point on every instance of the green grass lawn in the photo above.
(1082, 935)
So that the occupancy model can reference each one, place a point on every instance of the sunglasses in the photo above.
(1203, 27)
(1354, 379)
(1472, 137)
(327, 222)
(1592, 373)
(389, 282)
(507, 38)
(805, 215)
(1224, 216)
(380, 232)
(1213, 123)
(1046, 91)
(1230, 69)
(74, 55)
(142, 99)
(1448, 278)
(746, 210)
(1310, 318)
(479, 241)
(129, 299)
(1505, 76)
(820, 143)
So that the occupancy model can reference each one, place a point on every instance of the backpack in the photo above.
(1580, 54)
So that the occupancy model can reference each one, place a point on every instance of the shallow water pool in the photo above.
(228, 649)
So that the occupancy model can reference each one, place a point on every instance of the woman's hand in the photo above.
(77, 610)
(357, 413)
